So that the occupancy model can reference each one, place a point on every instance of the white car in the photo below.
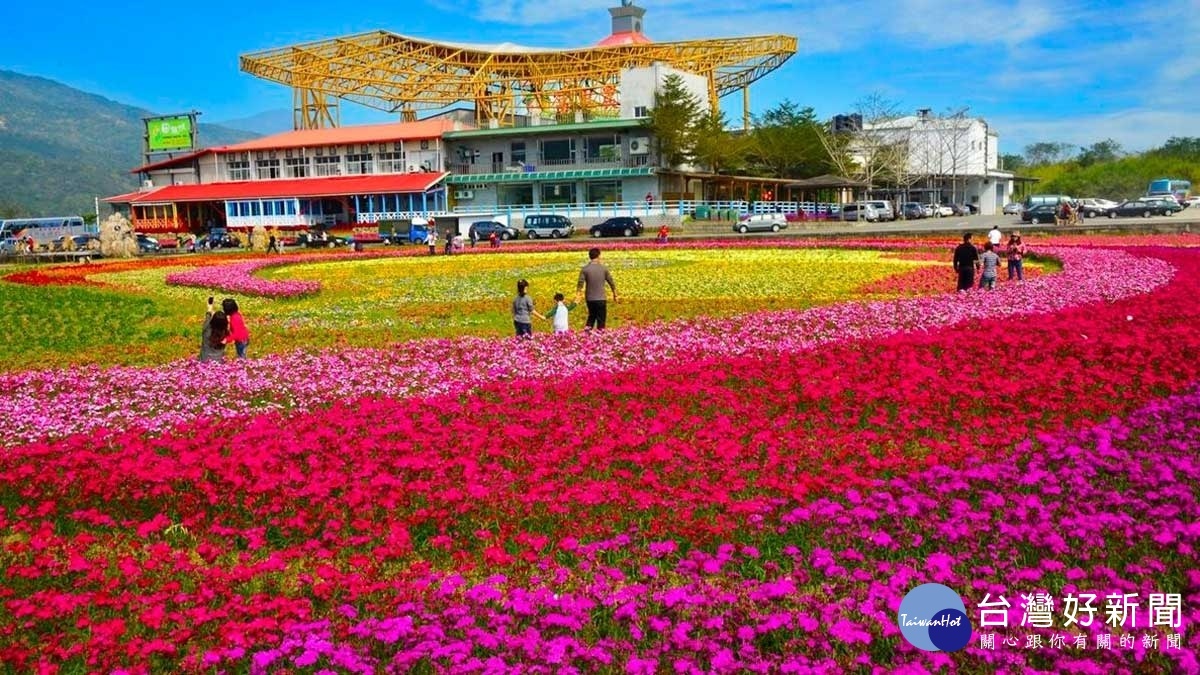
(942, 211)
(1093, 208)
(1013, 209)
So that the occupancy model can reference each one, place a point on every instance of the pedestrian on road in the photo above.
(966, 261)
(595, 276)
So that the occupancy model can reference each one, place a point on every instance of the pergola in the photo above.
(396, 73)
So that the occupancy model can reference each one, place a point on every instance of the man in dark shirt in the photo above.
(966, 261)
(595, 275)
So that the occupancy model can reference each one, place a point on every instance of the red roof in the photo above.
(368, 133)
(627, 38)
(276, 189)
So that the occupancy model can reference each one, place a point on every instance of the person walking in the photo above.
(561, 319)
(474, 235)
(431, 241)
(238, 334)
(595, 276)
(995, 237)
(273, 245)
(1016, 257)
(966, 261)
(523, 311)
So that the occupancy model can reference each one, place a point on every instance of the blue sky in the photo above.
(1053, 70)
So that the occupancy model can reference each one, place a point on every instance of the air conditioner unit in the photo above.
(639, 145)
(464, 194)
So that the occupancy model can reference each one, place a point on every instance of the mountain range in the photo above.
(60, 147)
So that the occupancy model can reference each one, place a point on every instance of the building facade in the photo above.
(941, 160)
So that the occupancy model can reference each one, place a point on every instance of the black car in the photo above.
(483, 230)
(320, 239)
(211, 241)
(912, 211)
(147, 244)
(1042, 213)
(1145, 208)
(621, 226)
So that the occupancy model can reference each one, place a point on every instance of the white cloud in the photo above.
(1134, 129)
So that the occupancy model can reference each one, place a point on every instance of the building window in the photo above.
(297, 167)
(268, 168)
(238, 170)
(517, 150)
(327, 166)
(515, 195)
(391, 162)
(558, 193)
(558, 152)
(641, 111)
(604, 192)
(359, 164)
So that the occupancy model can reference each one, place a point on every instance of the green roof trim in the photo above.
(596, 125)
(535, 176)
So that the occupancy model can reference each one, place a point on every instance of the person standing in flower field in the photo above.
(594, 276)
(561, 319)
(431, 239)
(523, 311)
(214, 335)
(994, 236)
(991, 266)
(238, 334)
(966, 261)
(1016, 257)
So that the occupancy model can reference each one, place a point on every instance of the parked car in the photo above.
(1013, 209)
(941, 211)
(10, 245)
(484, 229)
(147, 244)
(79, 242)
(761, 222)
(1042, 213)
(912, 211)
(884, 209)
(1145, 208)
(553, 226)
(223, 240)
(1093, 208)
(620, 226)
(860, 211)
(320, 239)
(1192, 201)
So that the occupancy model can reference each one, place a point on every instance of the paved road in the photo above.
(1180, 222)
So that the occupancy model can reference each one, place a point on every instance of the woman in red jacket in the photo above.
(238, 335)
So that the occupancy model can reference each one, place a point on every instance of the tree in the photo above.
(1181, 146)
(10, 209)
(89, 218)
(1012, 162)
(878, 150)
(787, 143)
(1039, 154)
(672, 121)
(1107, 150)
(715, 147)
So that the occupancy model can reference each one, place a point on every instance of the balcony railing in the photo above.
(632, 161)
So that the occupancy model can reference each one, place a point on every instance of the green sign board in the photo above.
(169, 133)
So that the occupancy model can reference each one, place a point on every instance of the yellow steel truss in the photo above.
(401, 74)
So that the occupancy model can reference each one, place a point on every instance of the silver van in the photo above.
(860, 211)
(884, 209)
(553, 226)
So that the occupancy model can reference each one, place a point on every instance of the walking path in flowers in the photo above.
(54, 403)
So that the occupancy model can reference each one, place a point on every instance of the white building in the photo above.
(942, 159)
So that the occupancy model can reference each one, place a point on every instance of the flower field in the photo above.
(747, 474)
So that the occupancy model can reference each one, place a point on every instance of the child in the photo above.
(991, 265)
(238, 335)
(561, 308)
(494, 239)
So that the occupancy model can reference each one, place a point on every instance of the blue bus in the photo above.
(1178, 188)
(43, 230)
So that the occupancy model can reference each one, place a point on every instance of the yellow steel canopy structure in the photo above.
(395, 73)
